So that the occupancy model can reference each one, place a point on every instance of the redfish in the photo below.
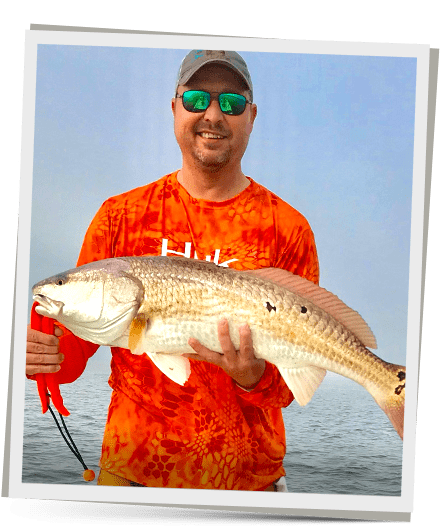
(153, 305)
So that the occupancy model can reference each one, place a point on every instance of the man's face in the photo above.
(212, 139)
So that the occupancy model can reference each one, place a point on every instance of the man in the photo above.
(223, 429)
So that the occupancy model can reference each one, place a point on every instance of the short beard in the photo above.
(212, 162)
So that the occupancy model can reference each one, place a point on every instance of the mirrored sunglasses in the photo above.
(199, 100)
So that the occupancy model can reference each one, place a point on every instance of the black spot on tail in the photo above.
(401, 375)
(270, 307)
(399, 389)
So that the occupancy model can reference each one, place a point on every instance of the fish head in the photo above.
(96, 301)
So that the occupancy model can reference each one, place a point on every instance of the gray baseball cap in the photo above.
(198, 58)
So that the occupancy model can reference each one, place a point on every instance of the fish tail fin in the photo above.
(392, 402)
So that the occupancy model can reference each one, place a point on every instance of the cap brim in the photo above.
(188, 75)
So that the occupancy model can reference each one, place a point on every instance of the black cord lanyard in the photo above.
(88, 474)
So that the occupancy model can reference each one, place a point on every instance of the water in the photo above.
(340, 443)
(46, 457)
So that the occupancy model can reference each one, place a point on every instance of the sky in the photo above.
(334, 137)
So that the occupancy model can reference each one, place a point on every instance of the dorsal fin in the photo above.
(326, 300)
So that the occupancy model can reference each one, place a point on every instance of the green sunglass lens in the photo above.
(196, 100)
(232, 103)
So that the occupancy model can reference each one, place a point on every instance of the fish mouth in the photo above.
(47, 306)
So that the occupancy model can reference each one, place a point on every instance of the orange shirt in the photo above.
(208, 433)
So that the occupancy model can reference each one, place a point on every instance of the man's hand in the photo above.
(241, 365)
(42, 352)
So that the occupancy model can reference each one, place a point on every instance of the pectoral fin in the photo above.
(303, 381)
(137, 329)
(176, 367)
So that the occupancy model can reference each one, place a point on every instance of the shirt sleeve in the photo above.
(299, 255)
(270, 392)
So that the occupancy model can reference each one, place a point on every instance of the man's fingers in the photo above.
(38, 369)
(202, 353)
(246, 344)
(44, 359)
(41, 348)
(42, 352)
(45, 363)
(230, 353)
(225, 339)
(35, 336)
(242, 365)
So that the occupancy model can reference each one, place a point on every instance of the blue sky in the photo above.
(334, 137)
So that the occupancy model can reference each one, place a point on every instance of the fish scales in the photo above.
(167, 300)
(194, 290)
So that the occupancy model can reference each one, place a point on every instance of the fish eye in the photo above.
(60, 282)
